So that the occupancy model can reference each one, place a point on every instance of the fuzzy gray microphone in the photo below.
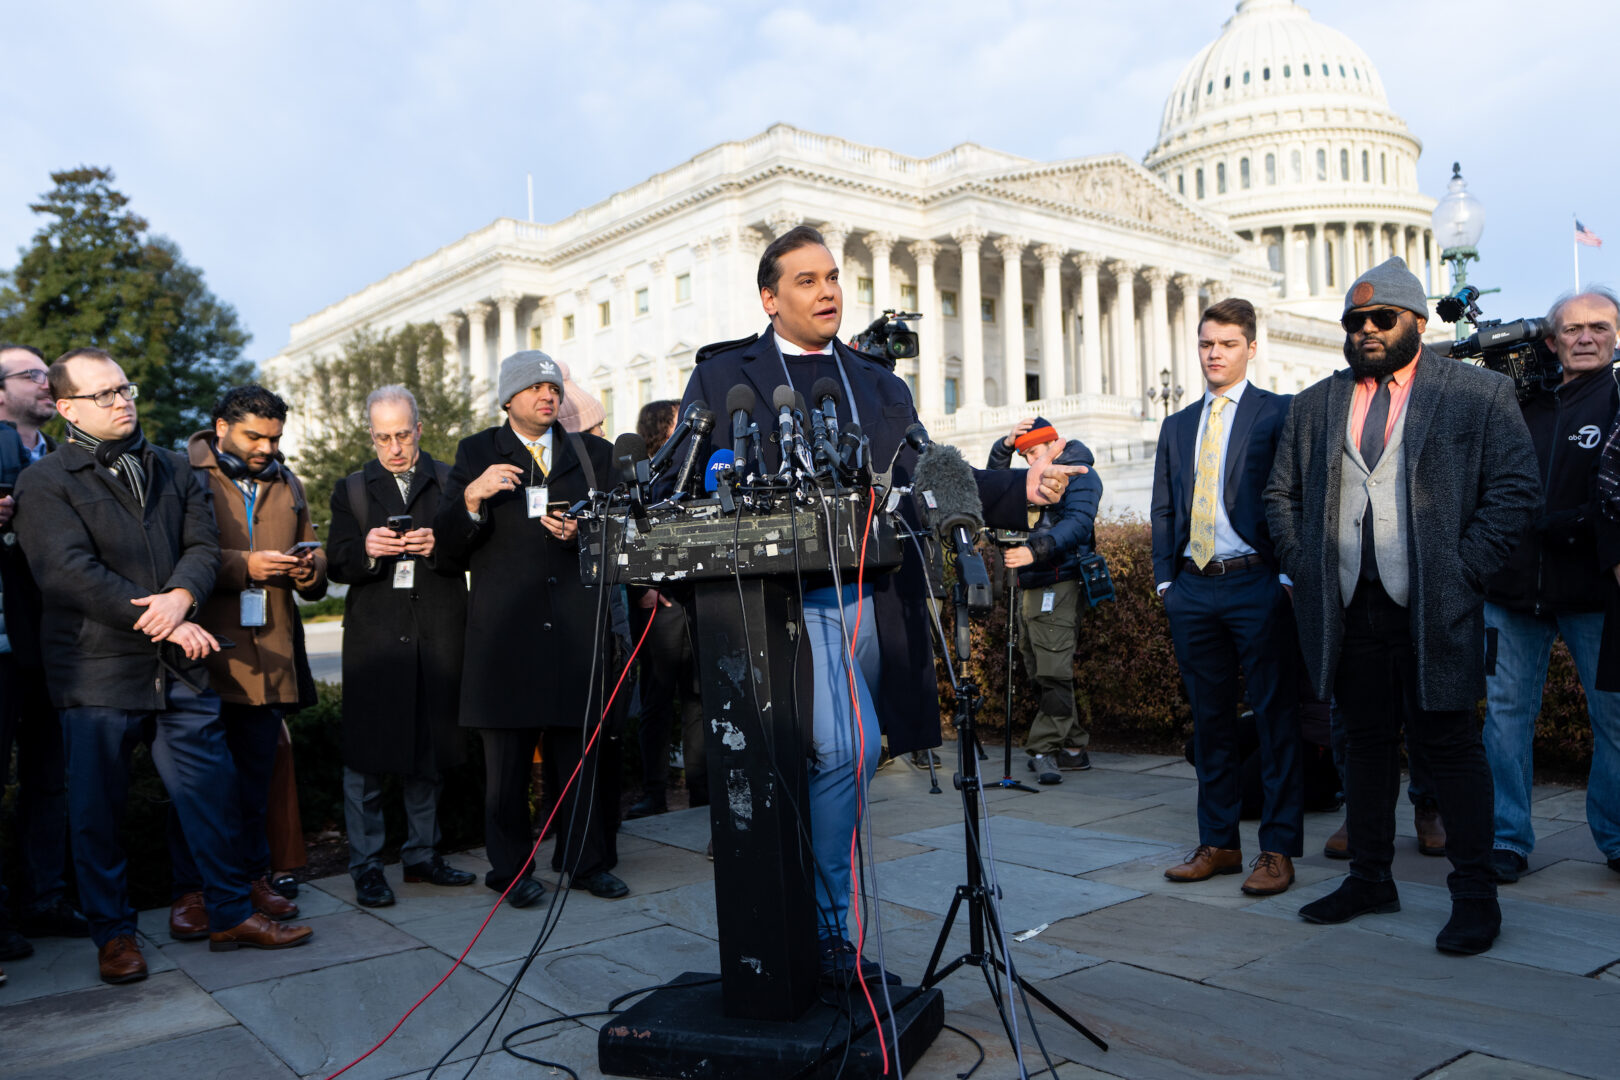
(944, 485)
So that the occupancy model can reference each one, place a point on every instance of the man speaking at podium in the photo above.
(893, 668)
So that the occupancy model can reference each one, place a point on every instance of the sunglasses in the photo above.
(1382, 319)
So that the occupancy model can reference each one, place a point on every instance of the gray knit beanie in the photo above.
(524, 369)
(1389, 284)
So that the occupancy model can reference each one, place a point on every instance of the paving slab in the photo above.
(1104, 759)
(1506, 1010)
(687, 829)
(338, 940)
(1540, 792)
(1163, 1027)
(62, 965)
(587, 978)
(1044, 846)
(652, 866)
(1573, 843)
(906, 951)
(1156, 822)
(1484, 1067)
(1534, 934)
(1568, 805)
(1073, 808)
(229, 1052)
(68, 1028)
(414, 903)
(1029, 897)
(1569, 883)
(1179, 767)
(1175, 936)
(574, 1045)
(1224, 890)
(1128, 785)
(319, 1021)
(512, 932)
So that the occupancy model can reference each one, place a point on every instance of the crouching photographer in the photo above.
(1555, 583)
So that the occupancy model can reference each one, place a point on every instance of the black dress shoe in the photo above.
(1353, 897)
(1508, 866)
(56, 919)
(602, 884)
(285, 884)
(371, 889)
(838, 962)
(439, 872)
(13, 946)
(1473, 925)
(526, 893)
(647, 806)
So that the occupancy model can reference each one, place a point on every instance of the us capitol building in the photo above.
(1069, 288)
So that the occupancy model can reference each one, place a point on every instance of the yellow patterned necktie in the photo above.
(1204, 487)
(538, 452)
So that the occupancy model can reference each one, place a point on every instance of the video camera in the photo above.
(889, 338)
(1517, 349)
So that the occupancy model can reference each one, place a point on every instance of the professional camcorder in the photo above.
(890, 337)
(1517, 349)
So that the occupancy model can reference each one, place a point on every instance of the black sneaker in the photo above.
(1508, 866)
(371, 889)
(1045, 768)
(1073, 760)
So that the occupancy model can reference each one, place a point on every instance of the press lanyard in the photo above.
(250, 496)
(849, 395)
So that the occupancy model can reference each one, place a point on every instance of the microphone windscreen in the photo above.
(826, 388)
(628, 449)
(943, 481)
(798, 404)
(719, 461)
(740, 398)
(702, 422)
(782, 398)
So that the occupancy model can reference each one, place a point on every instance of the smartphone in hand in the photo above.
(302, 547)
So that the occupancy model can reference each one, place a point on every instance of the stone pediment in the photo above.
(1112, 187)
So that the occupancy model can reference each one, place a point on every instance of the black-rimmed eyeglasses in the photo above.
(105, 398)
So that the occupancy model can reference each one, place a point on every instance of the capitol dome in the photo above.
(1282, 125)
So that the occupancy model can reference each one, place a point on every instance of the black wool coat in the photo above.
(532, 627)
(401, 647)
(1471, 489)
(22, 599)
(907, 697)
(92, 550)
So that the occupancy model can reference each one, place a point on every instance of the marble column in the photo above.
(1259, 368)
(880, 244)
(1051, 257)
(1090, 324)
(1012, 319)
(1126, 360)
(1285, 258)
(477, 346)
(1319, 260)
(931, 334)
(971, 397)
(1158, 280)
(506, 304)
(1191, 377)
(836, 234)
(450, 327)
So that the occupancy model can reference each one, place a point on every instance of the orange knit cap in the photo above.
(1041, 432)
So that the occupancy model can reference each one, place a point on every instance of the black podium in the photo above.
(767, 1017)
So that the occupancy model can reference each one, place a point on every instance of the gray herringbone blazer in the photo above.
(1471, 488)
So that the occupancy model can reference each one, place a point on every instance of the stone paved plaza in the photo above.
(1182, 981)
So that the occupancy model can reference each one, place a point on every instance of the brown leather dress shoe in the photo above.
(1431, 831)
(1338, 845)
(267, 901)
(188, 918)
(1205, 862)
(1273, 873)
(121, 960)
(258, 932)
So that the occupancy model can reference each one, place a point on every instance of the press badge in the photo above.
(252, 607)
(537, 496)
(1048, 598)
(405, 574)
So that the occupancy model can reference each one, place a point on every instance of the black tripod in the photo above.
(1014, 597)
(984, 920)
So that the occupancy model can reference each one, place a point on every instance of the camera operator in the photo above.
(1555, 584)
(1048, 566)
(404, 621)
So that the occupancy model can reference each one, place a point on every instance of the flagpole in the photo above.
(1575, 248)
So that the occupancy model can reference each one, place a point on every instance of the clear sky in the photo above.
(298, 151)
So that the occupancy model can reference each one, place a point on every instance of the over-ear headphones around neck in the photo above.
(235, 468)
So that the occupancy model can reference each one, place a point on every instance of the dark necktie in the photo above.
(1372, 447)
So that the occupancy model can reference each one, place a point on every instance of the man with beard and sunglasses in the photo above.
(1401, 485)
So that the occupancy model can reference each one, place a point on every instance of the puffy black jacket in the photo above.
(1064, 532)
(1560, 565)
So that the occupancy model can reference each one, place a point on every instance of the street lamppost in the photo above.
(1458, 220)
(1164, 393)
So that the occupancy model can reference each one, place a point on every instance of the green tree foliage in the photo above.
(330, 403)
(93, 276)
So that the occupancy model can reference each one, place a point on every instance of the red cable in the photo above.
(860, 758)
(544, 831)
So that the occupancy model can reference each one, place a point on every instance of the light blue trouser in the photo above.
(836, 800)
(1523, 646)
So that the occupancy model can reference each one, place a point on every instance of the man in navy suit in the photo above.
(1228, 606)
(893, 676)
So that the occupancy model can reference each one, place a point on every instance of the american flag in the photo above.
(1586, 236)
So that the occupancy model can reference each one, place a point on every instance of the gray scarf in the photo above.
(122, 456)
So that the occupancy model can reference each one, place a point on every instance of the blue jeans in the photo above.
(188, 748)
(1522, 646)
(837, 800)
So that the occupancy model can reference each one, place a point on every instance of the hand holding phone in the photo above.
(302, 548)
(400, 523)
